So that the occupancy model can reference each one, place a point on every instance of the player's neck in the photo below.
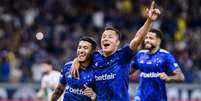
(107, 54)
(85, 64)
(48, 73)
(154, 50)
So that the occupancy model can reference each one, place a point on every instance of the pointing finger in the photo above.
(152, 5)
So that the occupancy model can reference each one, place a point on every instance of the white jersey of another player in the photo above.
(49, 83)
(49, 80)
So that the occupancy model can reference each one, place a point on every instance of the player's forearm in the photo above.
(177, 77)
(57, 92)
(75, 68)
(140, 35)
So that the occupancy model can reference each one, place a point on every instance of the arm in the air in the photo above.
(152, 15)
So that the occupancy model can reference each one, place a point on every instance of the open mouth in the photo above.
(106, 45)
(82, 56)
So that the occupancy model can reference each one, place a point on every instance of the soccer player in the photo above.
(111, 65)
(156, 66)
(78, 89)
(49, 80)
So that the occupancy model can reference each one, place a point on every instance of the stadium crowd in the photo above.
(63, 22)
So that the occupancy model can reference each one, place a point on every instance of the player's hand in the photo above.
(89, 92)
(75, 69)
(164, 76)
(152, 13)
(40, 94)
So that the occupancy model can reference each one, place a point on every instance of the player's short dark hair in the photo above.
(90, 40)
(114, 29)
(158, 33)
(47, 61)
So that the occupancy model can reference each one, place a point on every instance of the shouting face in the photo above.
(84, 51)
(151, 41)
(109, 42)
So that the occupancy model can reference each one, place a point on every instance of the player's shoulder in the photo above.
(97, 54)
(68, 65)
(141, 52)
(124, 47)
(165, 52)
(56, 72)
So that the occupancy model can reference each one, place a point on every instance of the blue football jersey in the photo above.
(151, 87)
(75, 87)
(112, 75)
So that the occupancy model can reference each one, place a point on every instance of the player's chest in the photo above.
(102, 62)
(85, 78)
(111, 73)
(107, 69)
(151, 62)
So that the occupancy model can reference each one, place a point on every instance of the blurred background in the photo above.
(34, 30)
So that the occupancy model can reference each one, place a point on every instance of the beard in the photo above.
(149, 46)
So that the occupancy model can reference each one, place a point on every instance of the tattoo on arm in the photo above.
(57, 92)
(177, 75)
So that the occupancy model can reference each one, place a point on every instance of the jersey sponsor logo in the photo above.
(105, 77)
(149, 75)
(75, 90)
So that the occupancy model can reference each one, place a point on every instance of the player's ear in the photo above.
(158, 41)
(118, 42)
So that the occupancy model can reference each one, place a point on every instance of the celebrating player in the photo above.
(78, 90)
(156, 66)
(111, 66)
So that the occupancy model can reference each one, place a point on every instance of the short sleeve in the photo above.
(134, 63)
(56, 77)
(62, 79)
(125, 54)
(65, 70)
(171, 63)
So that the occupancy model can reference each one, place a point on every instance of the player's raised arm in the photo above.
(152, 15)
